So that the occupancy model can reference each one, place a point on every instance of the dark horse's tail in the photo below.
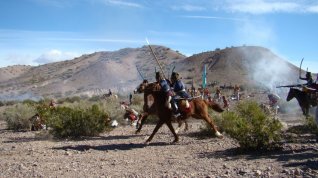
(216, 107)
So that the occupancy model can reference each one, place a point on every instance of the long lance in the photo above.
(172, 70)
(289, 86)
(154, 55)
(300, 67)
(140, 73)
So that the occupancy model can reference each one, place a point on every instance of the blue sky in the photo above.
(36, 32)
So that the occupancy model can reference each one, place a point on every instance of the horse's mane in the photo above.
(152, 87)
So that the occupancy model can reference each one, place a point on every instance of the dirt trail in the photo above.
(121, 153)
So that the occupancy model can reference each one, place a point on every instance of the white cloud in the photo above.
(123, 3)
(270, 6)
(54, 56)
(188, 7)
(212, 17)
(313, 9)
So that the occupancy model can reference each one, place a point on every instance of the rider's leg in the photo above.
(175, 107)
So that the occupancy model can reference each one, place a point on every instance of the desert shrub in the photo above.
(138, 100)
(44, 101)
(29, 102)
(17, 117)
(11, 103)
(2, 103)
(251, 127)
(70, 99)
(77, 122)
(312, 125)
(95, 98)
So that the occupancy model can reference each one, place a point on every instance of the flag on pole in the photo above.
(204, 77)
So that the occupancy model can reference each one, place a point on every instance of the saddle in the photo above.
(184, 105)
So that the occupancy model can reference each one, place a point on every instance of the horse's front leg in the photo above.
(141, 122)
(176, 137)
(159, 124)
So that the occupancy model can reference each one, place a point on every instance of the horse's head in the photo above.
(291, 94)
(141, 87)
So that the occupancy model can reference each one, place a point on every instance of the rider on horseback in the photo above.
(164, 84)
(308, 78)
(310, 87)
(179, 90)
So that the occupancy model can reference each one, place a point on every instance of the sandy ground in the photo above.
(121, 153)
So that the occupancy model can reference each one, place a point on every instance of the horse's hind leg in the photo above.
(159, 124)
(176, 138)
(180, 123)
(213, 126)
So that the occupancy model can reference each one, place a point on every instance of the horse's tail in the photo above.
(215, 106)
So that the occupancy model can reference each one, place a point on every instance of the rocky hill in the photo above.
(91, 74)
(94, 74)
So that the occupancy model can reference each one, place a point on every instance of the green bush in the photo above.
(76, 122)
(251, 127)
(17, 117)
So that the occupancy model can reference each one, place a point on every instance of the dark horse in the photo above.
(198, 109)
(303, 99)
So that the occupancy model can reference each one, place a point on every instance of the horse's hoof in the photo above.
(177, 130)
(147, 142)
(218, 134)
(175, 141)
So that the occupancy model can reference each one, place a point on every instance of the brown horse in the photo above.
(303, 99)
(198, 109)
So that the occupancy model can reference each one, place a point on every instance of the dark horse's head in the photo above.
(141, 87)
(293, 92)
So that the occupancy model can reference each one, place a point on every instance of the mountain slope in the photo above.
(95, 73)
(247, 65)
(91, 74)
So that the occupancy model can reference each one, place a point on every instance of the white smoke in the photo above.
(268, 69)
